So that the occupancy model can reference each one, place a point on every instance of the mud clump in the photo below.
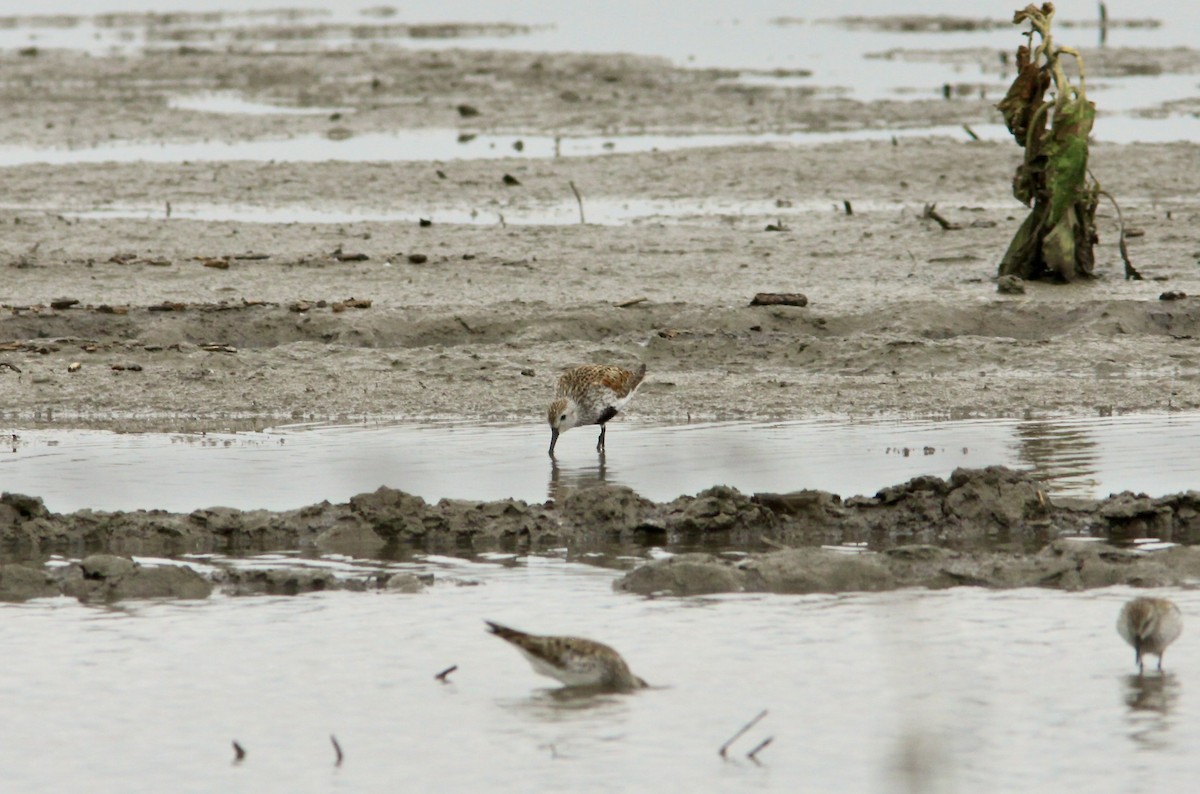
(720, 509)
(1064, 564)
(22, 582)
(401, 519)
(282, 581)
(616, 511)
(105, 578)
(684, 575)
(985, 509)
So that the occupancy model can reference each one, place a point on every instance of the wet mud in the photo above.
(928, 531)
(172, 321)
(161, 323)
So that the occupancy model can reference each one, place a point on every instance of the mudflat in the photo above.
(166, 322)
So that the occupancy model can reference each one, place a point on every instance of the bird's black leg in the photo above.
(605, 415)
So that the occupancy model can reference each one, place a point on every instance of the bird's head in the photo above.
(562, 416)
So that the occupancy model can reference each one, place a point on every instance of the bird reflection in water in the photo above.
(1150, 699)
(566, 479)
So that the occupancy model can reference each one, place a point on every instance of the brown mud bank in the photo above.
(174, 320)
(972, 528)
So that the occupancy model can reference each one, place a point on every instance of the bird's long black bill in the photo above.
(553, 440)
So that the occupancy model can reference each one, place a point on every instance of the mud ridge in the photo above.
(975, 511)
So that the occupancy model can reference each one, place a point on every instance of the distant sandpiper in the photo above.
(575, 661)
(1150, 625)
(591, 395)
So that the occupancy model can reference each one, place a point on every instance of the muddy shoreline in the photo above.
(193, 316)
(976, 527)
(232, 320)
(202, 323)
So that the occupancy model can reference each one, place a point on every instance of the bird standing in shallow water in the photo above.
(591, 395)
(1150, 625)
(573, 660)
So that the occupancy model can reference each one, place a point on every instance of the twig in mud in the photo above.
(846, 206)
(503, 223)
(442, 675)
(1131, 273)
(1103, 24)
(761, 746)
(630, 302)
(932, 214)
(579, 199)
(239, 752)
(468, 328)
(725, 747)
(967, 129)
(337, 748)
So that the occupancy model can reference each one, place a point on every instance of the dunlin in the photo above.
(572, 660)
(591, 395)
(1150, 625)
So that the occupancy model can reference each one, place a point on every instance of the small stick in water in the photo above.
(579, 199)
(740, 733)
(932, 214)
(442, 675)
(337, 748)
(761, 746)
(239, 752)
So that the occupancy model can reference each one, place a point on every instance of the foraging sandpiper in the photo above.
(591, 395)
(575, 661)
(1150, 625)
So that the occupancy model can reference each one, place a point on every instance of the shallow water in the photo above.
(232, 103)
(960, 690)
(432, 145)
(291, 466)
(600, 210)
(447, 145)
(704, 33)
(745, 37)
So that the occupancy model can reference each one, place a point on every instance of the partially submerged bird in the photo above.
(575, 661)
(1150, 625)
(591, 395)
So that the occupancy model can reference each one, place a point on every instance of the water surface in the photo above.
(960, 690)
(291, 466)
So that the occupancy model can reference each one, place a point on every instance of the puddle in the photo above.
(902, 691)
(448, 144)
(600, 210)
(429, 145)
(133, 26)
(761, 36)
(233, 103)
(291, 466)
